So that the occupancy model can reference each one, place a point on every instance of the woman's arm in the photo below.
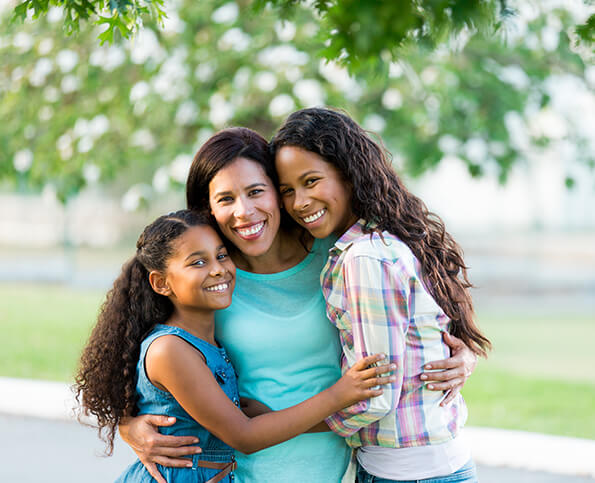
(181, 370)
(456, 369)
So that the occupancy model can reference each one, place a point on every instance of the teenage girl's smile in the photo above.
(245, 204)
(313, 192)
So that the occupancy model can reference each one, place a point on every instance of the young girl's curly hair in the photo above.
(105, 383)
(379, 195)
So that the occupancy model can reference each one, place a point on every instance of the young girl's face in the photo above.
(313, 192)
(200, 274)
(245, 203)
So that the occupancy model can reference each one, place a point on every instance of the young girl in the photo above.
(154, 349)
(394, 280)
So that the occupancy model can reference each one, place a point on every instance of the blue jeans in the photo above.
(465, 474)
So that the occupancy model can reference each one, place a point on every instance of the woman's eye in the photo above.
(225, 199)
(255, 192)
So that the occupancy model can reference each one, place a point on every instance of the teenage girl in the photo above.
(393, 282)
(154, 348)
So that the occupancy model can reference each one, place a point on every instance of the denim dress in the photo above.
(152, 400)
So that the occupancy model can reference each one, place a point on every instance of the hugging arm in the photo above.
(455, 370)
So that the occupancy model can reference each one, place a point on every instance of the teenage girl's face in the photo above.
(200, 274)
(313, 192)
(246, 205)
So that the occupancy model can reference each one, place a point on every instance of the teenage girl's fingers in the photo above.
(373, 393)
(445, 375)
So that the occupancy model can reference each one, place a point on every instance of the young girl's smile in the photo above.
(313, 192)
(200, 275)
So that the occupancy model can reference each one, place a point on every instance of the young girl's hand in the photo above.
(360, 381)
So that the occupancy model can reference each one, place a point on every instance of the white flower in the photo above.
(137, 193)
(204, 71)
(55, 14)
(45, 46)
(173, 24)
(221, 111)
(69, 84)
(45, 113)
(227, 14)
(429, 75)
(179, 167)
(139, 91)
(29, 131)
(285, 30)
(81, 127)
(43, 67)
(392, 99)
(281, 105)
(98, 126)
(64, 145)
(515, 76)
(241, 78)
(309, 92)
(339, 77)
(547, 123)
(202, 136)
(476, 149)
(282, 55)
(448, 144)
(22, 41)
(67, 60)
(187, 113)
(161, 180)
(23, 160)
(85, 144)
(395, 70)
(234, 39)
(375, 123)
(266, 81)
(91, 173)
(146, 46)
(143, 138)
(107, 58)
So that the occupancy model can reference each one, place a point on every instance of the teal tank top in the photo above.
(284, 351)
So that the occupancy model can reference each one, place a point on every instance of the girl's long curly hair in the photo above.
(380, 196)
(105, 383)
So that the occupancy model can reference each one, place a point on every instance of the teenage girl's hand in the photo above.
(456, 369)
(360, 381)
(153, 448)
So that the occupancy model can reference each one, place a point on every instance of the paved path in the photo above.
(40, 442)
(35, 450)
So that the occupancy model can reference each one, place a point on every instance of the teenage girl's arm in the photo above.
(177, 367)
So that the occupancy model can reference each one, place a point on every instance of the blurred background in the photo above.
(495, 134)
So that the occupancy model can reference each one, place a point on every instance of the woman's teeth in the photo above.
(218, 288)
(250, 231)
(314, 217)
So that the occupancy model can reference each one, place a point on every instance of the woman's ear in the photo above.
(159, 283)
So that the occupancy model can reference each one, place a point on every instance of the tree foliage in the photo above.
(76, 113)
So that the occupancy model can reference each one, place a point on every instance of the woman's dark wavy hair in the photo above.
(219, 151)
(105, 384)
(379, 195)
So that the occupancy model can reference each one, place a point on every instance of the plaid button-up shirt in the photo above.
(376, 298)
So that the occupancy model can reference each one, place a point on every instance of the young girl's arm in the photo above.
(180, 369)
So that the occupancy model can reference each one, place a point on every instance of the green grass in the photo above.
(539, 376)
(44, 329)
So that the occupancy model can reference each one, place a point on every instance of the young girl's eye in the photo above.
(199, 263)
(222, 256)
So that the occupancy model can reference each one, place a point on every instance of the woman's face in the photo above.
(313, 192)
(246, 205)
